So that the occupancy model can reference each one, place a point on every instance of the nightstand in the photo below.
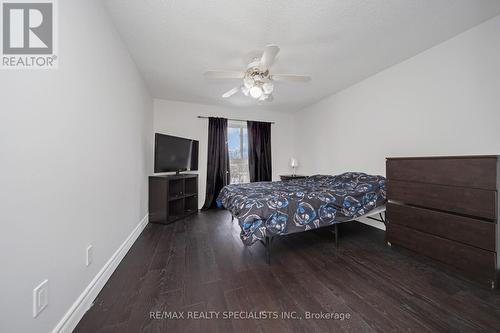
(291, 177)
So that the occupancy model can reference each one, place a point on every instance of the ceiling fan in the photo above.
(258, 82)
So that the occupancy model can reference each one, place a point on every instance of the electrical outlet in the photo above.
(40, 297)
(90, 255)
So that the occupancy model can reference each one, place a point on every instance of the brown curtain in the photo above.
(218, 160)
(259, 151)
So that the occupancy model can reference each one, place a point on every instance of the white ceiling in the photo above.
(337, 42)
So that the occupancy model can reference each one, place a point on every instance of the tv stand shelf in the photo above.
(172, 197)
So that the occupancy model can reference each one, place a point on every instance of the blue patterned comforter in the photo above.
(280, 208)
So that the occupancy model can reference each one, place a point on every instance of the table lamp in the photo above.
(294, 164)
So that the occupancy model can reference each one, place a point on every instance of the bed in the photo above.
(268, 209)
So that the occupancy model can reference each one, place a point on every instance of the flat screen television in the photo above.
(175, 154)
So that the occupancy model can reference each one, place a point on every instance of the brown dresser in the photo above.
(446, 208)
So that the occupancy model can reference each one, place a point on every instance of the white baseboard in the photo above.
(75, 313)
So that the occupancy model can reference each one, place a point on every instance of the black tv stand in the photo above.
(172, 197)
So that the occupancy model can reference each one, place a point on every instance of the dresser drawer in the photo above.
(467, 201)
(466, 230)
(476, 263)
(459, 171)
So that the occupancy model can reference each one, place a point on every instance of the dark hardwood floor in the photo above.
(200, 264)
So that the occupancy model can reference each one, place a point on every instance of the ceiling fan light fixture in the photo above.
(264, 97)
(245, 90)
(268, 87)
(256, 92)
(248, 82)
(258, 82)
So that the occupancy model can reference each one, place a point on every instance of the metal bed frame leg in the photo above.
(336, 236)
(268, 250)
(268, 239)
(383, 219)
(232, 217)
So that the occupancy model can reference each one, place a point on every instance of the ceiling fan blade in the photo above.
(224, 75)
(267, 59)
(230, 92)
(290, 77)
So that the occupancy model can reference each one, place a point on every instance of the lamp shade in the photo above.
(256, 91)
(294, 162)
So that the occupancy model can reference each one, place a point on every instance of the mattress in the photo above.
(280, 208)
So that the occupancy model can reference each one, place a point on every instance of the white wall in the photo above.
(180, 119)
(444, 101)
(75, 147)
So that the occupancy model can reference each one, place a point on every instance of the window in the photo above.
(238, 152)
